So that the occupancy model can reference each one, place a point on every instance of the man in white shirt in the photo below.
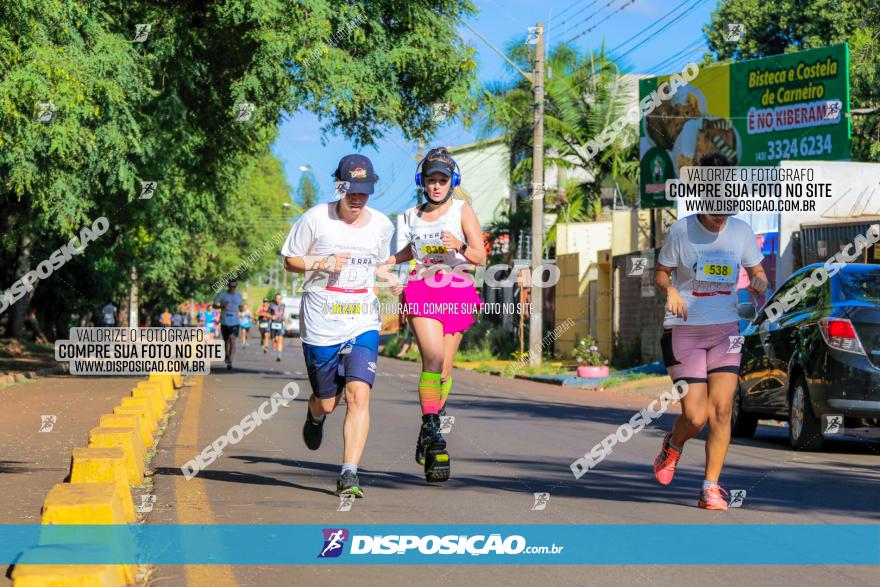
(230, 304)
(338, 245)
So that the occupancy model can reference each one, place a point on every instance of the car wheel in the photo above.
(742, 424)
(804, 427)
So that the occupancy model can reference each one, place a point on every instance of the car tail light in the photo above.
(839, 334)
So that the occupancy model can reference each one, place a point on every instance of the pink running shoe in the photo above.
(711, 499)
(664, 464)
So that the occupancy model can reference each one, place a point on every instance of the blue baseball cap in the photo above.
(357, 170)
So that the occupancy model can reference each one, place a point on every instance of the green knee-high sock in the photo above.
(445, 388)
(429, 392)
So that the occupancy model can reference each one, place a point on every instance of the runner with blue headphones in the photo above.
(441, 234)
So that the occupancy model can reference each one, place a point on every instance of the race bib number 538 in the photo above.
(716, 269)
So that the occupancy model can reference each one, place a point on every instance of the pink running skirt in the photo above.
(451, 301)
(692, 352)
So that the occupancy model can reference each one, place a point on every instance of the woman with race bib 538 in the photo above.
(697, 269)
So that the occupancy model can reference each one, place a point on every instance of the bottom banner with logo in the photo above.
(539, 544)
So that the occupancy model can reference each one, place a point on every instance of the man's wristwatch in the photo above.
(462, 248)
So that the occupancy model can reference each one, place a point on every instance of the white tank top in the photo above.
(425, 236)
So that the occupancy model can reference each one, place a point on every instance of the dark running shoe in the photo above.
(437, 465)
(348, 484)
(424, 434)
(420, 445)
(313, 431)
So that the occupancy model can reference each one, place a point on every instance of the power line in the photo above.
(663, 28)
(663, 68)
(581, 34)
(690, 47)
(572, 5)
(646, 29)
(594, 16)
(577, 24)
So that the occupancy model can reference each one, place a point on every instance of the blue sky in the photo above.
(657, 51)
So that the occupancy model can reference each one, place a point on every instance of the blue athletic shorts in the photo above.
(331, 367)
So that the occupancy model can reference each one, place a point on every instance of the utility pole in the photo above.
(536, 78)
(419, 156)
(536, 316)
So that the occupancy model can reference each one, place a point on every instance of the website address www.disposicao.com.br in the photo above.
(336, 539)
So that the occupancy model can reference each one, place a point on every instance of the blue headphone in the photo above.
(456, 175)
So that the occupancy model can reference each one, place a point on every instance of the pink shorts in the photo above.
(452, 304)
(692, 352)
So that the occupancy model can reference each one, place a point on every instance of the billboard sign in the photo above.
(793, 106)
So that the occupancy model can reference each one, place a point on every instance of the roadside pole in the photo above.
(536, 78)
(536, 315)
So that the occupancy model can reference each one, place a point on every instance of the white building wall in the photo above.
(484, 175)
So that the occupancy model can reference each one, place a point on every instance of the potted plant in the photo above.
(591, 364)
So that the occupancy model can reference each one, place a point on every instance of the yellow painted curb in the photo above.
(25, 575)
(146, 403)
(128, 421)
(159, 390)
(130, 443)
(165, 380)
(157, 400)
(148, 423)
(83, 503)
(104, 465)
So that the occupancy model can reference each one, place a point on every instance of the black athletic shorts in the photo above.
(228, 331)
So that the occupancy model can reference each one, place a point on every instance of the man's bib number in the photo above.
(276, 326)
(344, 311)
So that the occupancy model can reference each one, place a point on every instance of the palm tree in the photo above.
(584, 94)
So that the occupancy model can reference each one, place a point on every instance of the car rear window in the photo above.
(861, 286)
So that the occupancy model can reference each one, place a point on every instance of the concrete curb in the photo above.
(11, 378)
(566, 380)
(99, 490)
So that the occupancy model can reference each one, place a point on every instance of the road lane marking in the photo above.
(191, 497)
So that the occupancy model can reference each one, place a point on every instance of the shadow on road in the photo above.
(248, 478)
(15, 467)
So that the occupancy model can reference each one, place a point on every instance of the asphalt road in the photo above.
(510, 439)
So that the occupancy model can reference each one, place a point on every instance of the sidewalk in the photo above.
(31, 462)
(22, 361)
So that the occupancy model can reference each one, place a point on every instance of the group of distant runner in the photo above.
(229, 316)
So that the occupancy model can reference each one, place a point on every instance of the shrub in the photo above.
(587, 353)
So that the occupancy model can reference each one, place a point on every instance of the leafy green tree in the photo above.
(169, 109)
(61, 59)
(307, 190)
(785, 26)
